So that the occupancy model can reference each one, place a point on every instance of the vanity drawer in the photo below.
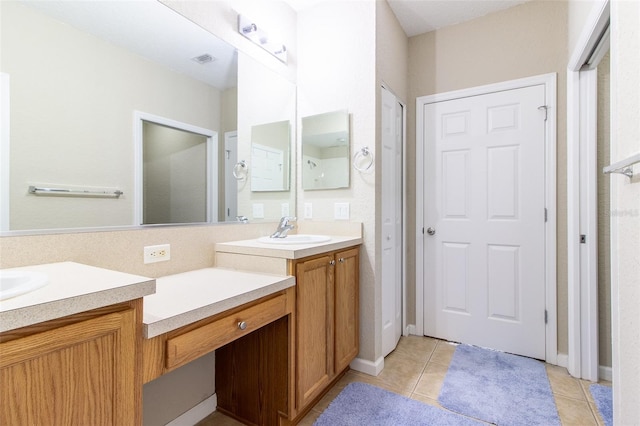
(195, 343)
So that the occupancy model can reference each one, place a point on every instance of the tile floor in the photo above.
(416, 369)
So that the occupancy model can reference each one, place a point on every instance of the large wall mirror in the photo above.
(75, 74)
(325, 151)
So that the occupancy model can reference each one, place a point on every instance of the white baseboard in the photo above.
(368, 367)
(605, 373)
(563, 360)
(197, 413)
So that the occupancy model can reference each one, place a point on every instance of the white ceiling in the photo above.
(422, 16)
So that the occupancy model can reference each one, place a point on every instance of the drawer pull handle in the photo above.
(242, 325)
(341, 260)
(332, 262)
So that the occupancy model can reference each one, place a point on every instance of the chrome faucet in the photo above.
(284, 226)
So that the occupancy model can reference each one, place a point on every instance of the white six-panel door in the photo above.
(484, 217)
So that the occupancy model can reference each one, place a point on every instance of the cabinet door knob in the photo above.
(242, 325)
(332, 262)
(341, 260)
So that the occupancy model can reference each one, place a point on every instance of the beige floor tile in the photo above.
(426, 400)
(218, 419)
(416, 346)
(443, 353)
(564, 385)
(431, 380)
(574, 412)
(402, 371)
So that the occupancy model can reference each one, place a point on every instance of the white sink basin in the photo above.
(16, 283)
(296, 239)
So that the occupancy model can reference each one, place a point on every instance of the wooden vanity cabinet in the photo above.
(326, 321)
(82, 369)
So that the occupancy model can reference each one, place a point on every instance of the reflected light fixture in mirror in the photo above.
(325, 151)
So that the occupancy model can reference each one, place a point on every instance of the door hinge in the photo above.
(583, 239)
(545, 215)
(546, 110)
(422, 230)
(546, 316)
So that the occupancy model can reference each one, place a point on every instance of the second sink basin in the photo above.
(16, 283)
(296, 239)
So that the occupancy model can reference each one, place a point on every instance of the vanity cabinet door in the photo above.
(346, 330)
(314, 328)
(327, 317)
(80, 374)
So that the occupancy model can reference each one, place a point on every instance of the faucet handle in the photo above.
(286, 219)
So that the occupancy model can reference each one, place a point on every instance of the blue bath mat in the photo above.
(499, 388)
(360, 404)
(603, 397)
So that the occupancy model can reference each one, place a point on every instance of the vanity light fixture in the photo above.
(258, 36)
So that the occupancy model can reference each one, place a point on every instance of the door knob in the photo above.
(431, 231)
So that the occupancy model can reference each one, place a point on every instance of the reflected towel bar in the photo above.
(36, 190)
(623, 167)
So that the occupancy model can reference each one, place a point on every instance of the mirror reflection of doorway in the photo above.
(178, 174)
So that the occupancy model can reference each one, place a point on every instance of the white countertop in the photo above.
(72, 288)
(188, 297)
(287, 251)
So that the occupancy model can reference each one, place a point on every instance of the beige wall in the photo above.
(523, 41)
(336, 63)
(625, 211)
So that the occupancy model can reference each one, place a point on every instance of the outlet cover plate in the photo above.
(258, 211)
(308, 211)
(341, 211)
(159, 253)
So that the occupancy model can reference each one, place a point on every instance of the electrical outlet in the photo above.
(308, 210)
(159, 253)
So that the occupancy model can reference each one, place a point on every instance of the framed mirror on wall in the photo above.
(71, 121)
(325, 151)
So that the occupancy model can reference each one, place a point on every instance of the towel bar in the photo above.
(76, 192)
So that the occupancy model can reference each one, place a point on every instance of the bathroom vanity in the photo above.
(283, 331)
